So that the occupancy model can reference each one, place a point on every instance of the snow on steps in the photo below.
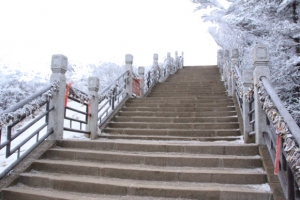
(166, 146)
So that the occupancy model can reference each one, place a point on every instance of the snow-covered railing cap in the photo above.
(288, 119)
(220, 53)
(247, 76)
(235, 54)
(226, 54)
(128, 59)
(155, 56)
(260, 55)
(168, 55)
(59, 63)
(141, 71)
(93, 83)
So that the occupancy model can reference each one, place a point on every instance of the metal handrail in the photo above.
(26, 100)
(111, 96)
(293, 127)
(103, 91)
(16, 114)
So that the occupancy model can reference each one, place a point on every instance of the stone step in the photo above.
(139, 138)
(166, 125)
(186, 97)
(190, 89)
(159, 105)
(161, 113)
(155, 173)
(180, 95)
(220, 148)
(155, 158)
(179, 109)
(174, 119)
(179, 100)
(22, 192)
(167, 93)
(80, 184)
(174, 132)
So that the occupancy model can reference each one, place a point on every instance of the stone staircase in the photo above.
(181, 142)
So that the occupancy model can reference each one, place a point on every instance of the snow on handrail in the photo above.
(28, 105)
(270, 106)
(237, 75)
(113, 83)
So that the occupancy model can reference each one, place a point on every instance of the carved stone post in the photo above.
(173, 70)
(161, 74)
(141, 71)
(225, 67)
(169, 71)
(59, 66)
(261, 63)
(234, 62)
(182, 60)
(247, 81)
(92, 126)
(176, 61)
(156, 68)
(220, 60)
(128, 66)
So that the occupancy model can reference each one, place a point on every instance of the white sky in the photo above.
(90, 31)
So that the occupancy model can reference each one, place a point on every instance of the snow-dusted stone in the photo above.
(220, 60)
(59, 63)
(128, 59)
(168, 55)
(141, 71)
(155, 56)
(247, 76)
(93, 83)
(260, 53)
(92, 126)
(128, 66)
(59, 66)
(182, 59)
(235, 54)
(231, 80)
(156, 67)
(261, 62)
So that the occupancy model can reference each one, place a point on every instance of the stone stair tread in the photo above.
(217, 147)
(155, 154)
(144, 184)
(176, 123)
(160, 138)
(51, 194)
(170, 129)
(141, 167)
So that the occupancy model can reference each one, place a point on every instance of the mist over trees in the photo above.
(274, 23)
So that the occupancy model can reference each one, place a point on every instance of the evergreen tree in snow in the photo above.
(274, 23)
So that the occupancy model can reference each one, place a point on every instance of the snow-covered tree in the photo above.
(274, 23)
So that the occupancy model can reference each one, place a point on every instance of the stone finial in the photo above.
(247, 76)
(155, 56)
(235, 54)
(220, 53)
(93, 84)
(128, 59)
(176, 53)
(141, 71)
(260, 54)
(168, 54)
(226, 53)
(59, 63)
(182, 53)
